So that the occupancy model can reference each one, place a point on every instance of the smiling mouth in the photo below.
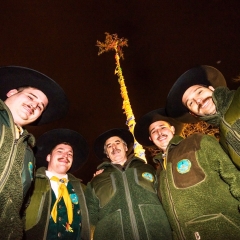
(61, 160)
(204, 104)
(163, 137)
(28, 109)
(116, 152)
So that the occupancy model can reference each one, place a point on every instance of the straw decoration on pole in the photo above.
(112, 42)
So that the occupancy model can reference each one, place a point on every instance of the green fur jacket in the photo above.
(227, 119)
(38, 212)
(200, 189)
(123, 203)
(16, 168)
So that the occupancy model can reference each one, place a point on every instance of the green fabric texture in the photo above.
(38, 212)
(15, 179)
(123, 204)
(227, 119)
(203, 201)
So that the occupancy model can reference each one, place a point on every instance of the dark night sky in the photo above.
(165, 38)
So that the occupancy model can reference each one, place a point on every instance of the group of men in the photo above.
(198, 176)
(194, 194)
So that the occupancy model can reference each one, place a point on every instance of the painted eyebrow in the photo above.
(37, 98)
(193, 92)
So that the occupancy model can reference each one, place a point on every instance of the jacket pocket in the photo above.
(10, 224)
(105, 188)
(34, 210)
(155, 222)
(110, 227)
(213, 226)
(8, 211)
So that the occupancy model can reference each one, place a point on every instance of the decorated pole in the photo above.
(112, 42)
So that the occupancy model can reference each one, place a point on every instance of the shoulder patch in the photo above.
(148, 176)
(74, 198)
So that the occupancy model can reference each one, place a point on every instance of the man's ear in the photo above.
(150, 138)
(211, 88)
(48, 157)
(172, 129)
(126, 148)
(11, 92)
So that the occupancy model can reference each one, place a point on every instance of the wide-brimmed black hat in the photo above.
(141, 129)
(12, 77)
(124, 134)
(201, 75)
(47, 141)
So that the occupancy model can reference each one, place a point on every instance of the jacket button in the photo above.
(78, 212)
(59, 219)
(59, 234)
(60, 206)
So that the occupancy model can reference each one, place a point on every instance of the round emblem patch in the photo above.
(148, 176)
(183, 166)
(74, 198)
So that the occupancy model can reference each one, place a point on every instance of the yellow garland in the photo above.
(113, 42)
(138, 149)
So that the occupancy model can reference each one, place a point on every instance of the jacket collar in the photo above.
(173, 142)
(131, 158)
(30, 139)
(41, 173)
(222, 98)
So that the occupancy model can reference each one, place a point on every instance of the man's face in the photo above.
(160, 132)
(116, 150)
(27, 105)
(60, 159)
(198, 99)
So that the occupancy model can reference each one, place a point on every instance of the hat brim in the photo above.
(141, 129)
(99, 143)
(202, 75)
(47, 141)
(12, 77)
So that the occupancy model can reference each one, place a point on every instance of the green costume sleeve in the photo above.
(223, 165)
(92, 204)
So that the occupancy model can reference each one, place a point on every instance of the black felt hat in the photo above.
(124, 134)
(12, 77)
(141, 129)
(47, 141)
(201, 75)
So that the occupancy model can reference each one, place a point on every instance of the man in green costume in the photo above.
(57, 208)
(122, 200)
(202, 92)
(27, 97)
(199, 184)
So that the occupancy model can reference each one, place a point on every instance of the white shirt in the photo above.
(54, 184)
